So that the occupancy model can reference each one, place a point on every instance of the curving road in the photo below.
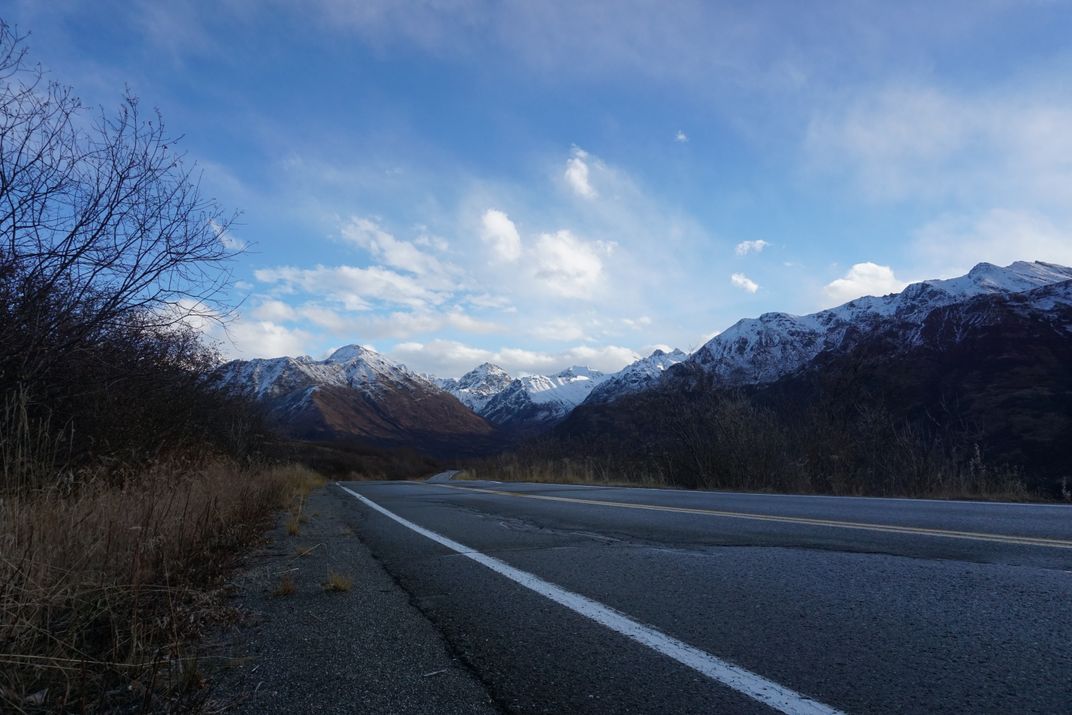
(565, 598)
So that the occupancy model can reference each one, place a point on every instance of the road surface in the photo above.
(567, 598)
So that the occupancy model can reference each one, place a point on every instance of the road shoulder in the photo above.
(366, 649)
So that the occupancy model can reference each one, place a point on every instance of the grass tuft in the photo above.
(286, 586)
(337, 582)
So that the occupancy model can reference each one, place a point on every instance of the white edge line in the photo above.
(743, 681)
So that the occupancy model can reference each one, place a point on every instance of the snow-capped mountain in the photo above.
(357, 393)
(640, 375)
(478, 386)
(352, 366)
(962, 378)
(536, 400)
(764, 349)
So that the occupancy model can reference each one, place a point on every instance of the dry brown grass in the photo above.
(103, 586)
(286, 586)
(337, 582)
(302, 482)
(560, 471)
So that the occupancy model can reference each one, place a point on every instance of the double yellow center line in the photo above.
(832, 523)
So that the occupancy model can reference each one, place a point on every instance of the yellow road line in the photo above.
(862, 526)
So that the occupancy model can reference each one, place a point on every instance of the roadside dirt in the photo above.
(313, 650)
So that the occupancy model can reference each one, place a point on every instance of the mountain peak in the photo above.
(348, 353)
(660, 353)
(486, 368)
(985, 268)
(476, 387)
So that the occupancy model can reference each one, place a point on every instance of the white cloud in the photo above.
(559, 329)
(703, 47)
(740, 280)
(577, 174)
(228, 239)
(863, 279)
(649, 349)
(274, 310)
(461, 320)
(745, 247)
(443, 358)
(569, 266)
(923, 142)
(622, 257)
(353, 287)
(681, 137)
(436, 243)
(951, 245)
(261, 338)
(637, 323)
(608, 358)
(487, 300)
(383, 246)
(410, 324)
(452, 358)
(328, 319)
(500, 233)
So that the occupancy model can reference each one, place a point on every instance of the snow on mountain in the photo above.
(635, 377)
(443, 383)
(1016, 278)
(478, 386)
(764, 349)
(358, 394)
(753, 351)
(541, 399)
(352, 366)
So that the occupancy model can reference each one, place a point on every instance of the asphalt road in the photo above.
(771, 602)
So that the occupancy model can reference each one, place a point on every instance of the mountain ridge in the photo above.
(358, 392)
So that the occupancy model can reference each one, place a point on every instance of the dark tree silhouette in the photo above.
(108, 250)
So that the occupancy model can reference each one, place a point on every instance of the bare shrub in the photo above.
(704, 437)
(108, 252)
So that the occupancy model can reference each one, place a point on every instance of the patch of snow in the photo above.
(637, 376)
(478, 386)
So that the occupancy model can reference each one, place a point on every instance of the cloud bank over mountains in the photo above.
(497, 180)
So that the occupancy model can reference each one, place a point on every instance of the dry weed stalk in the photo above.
(102, 587)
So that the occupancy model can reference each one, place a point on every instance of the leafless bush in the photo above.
(107, 251)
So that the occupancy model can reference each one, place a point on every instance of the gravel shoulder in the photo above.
(367, 649)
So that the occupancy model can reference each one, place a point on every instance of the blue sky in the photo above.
(549, 183)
